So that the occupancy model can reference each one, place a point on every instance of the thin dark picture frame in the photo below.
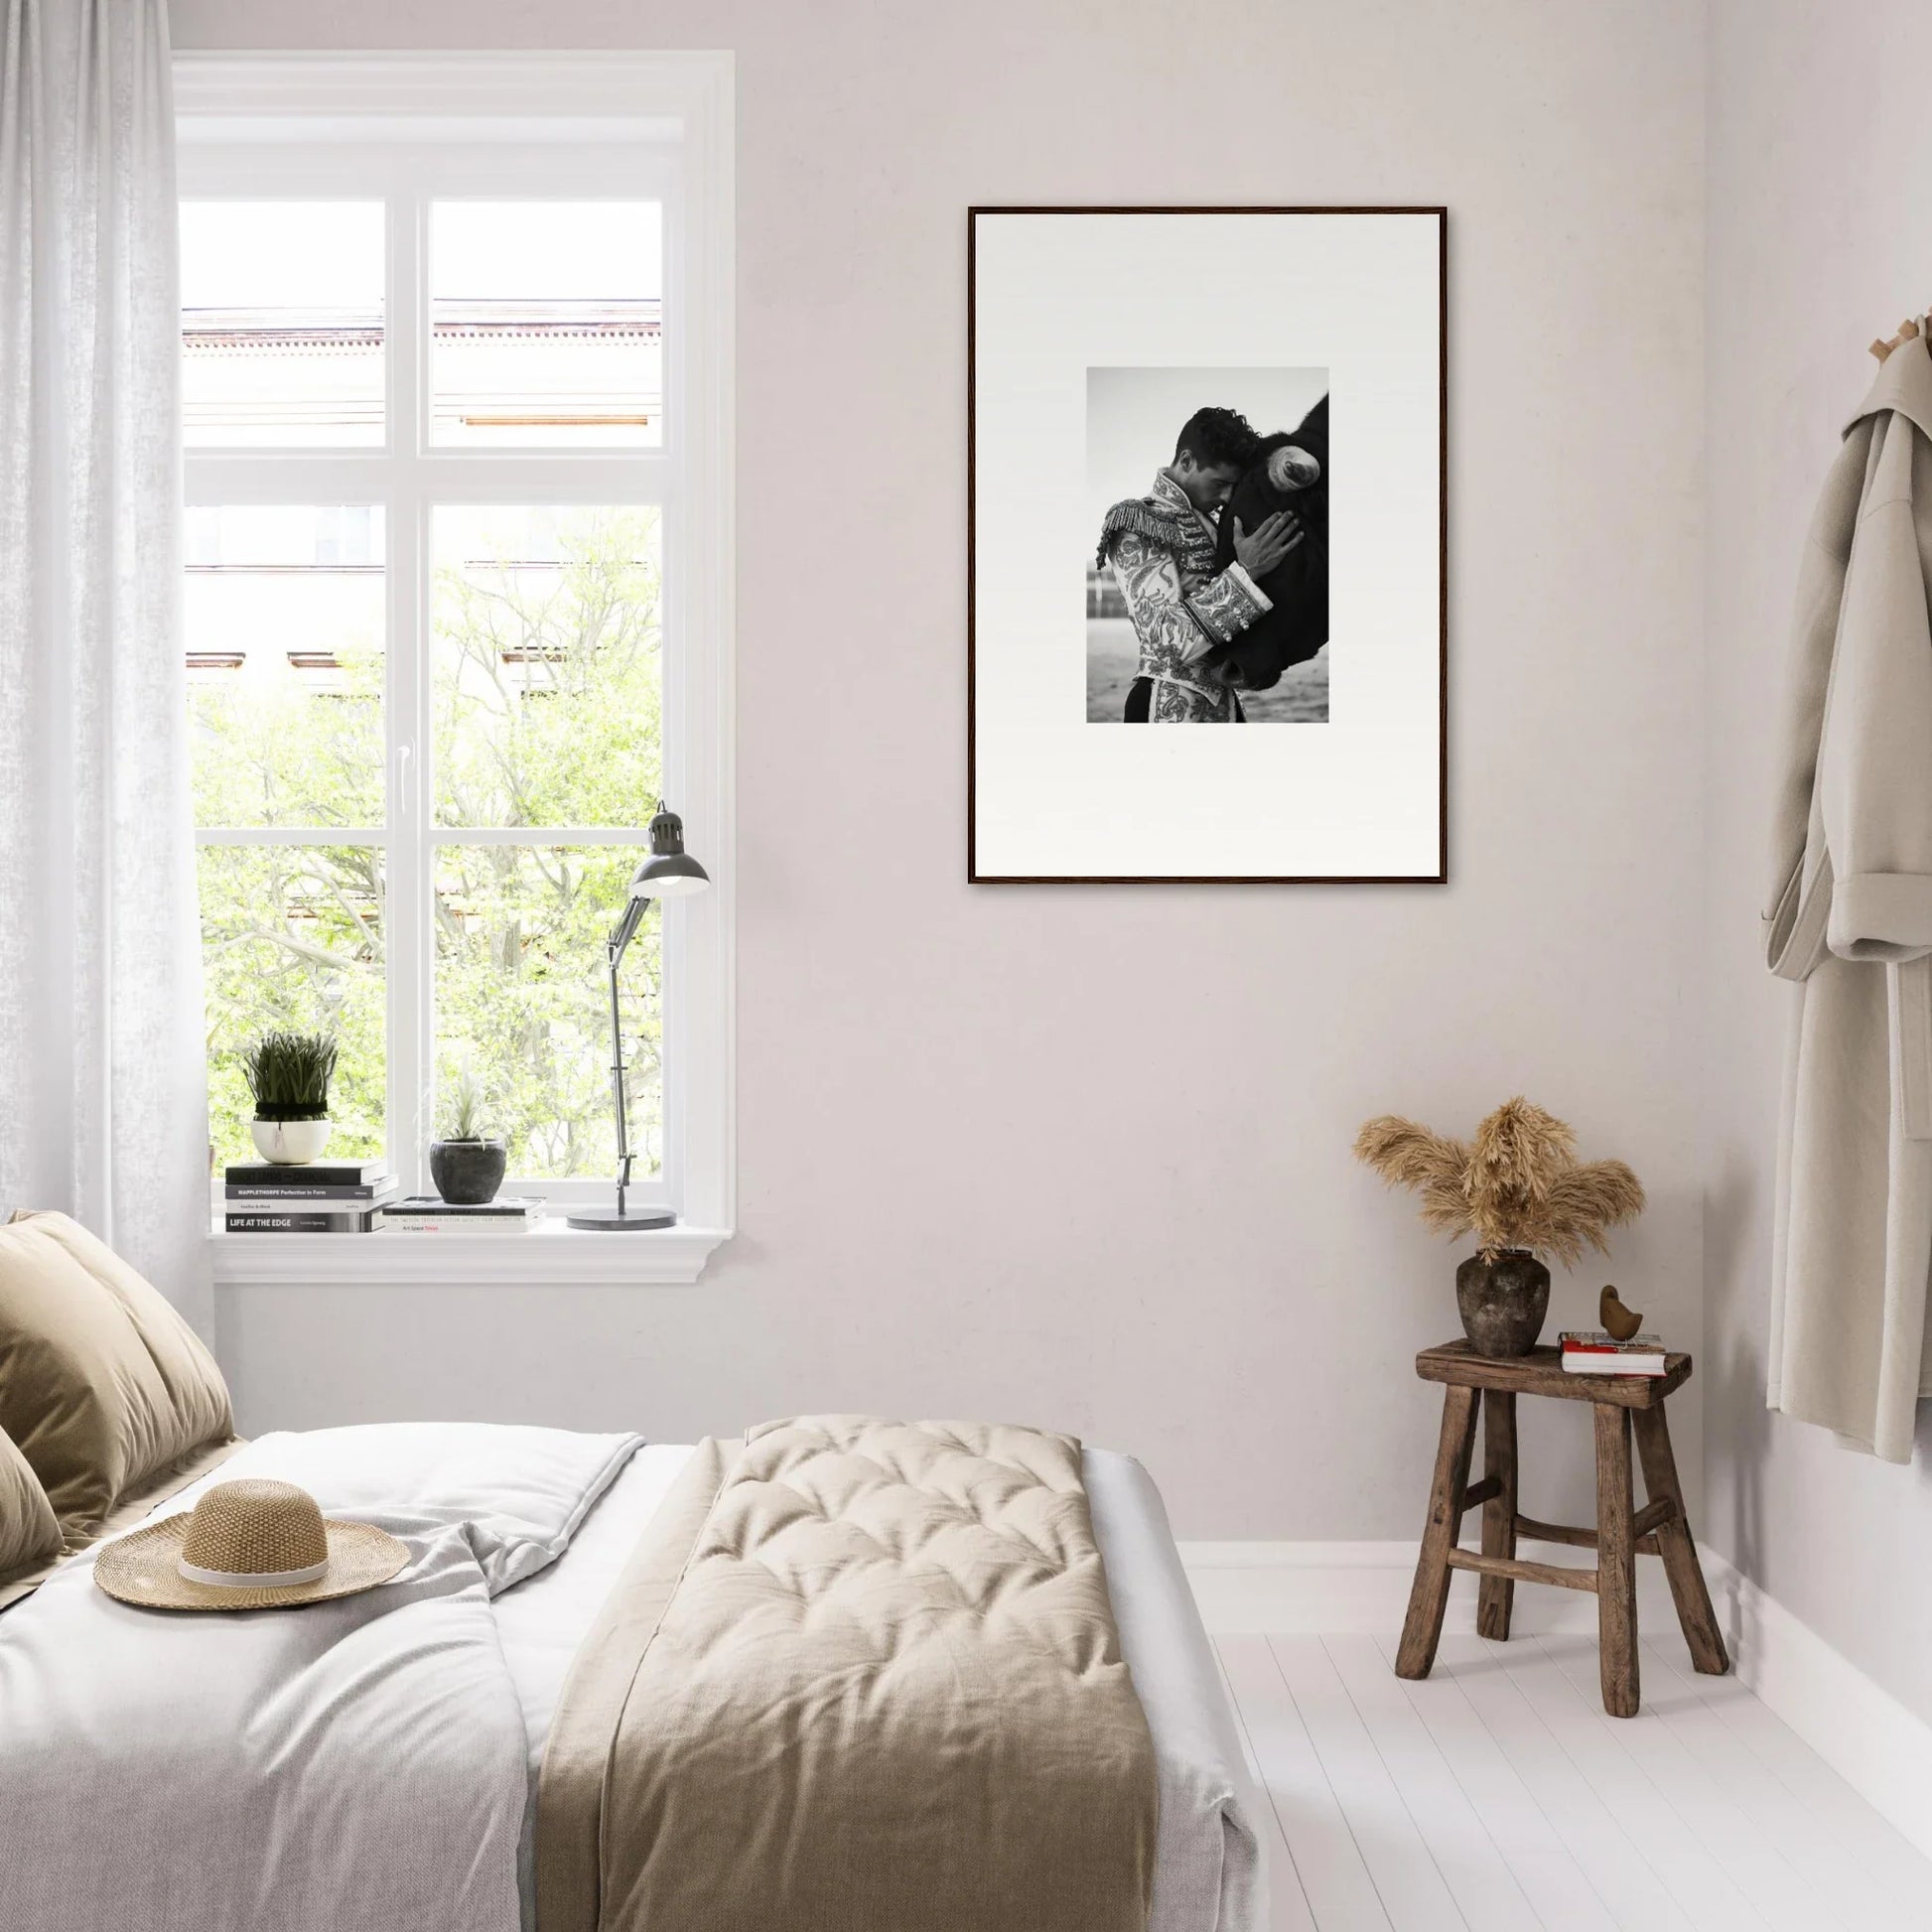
(974, 876)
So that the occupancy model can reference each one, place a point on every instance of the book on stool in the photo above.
(1595, 1351)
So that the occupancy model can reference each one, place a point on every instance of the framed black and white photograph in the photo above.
(1207, 456)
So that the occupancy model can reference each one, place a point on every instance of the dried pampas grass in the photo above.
(1434, 1166)
(1517, 1185)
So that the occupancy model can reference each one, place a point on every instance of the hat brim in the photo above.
(143, 1568)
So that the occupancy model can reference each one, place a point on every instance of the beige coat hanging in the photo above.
(1851, 919)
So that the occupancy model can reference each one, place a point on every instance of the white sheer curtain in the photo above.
(101, 1061)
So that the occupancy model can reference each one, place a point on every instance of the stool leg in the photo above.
(1422, 1629)
(1496, 1595)
(1616, 1563)
(1677, 1546)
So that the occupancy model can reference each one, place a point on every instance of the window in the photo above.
(282, 325)
(455, 341)
(546, 325)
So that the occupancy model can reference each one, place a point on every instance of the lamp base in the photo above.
(607, 1220)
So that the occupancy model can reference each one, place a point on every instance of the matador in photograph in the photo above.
(1160, 550)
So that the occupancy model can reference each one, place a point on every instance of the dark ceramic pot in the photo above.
(468, 1174)
(1503, 1302)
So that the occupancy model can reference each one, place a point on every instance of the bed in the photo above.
(842, 1674)
(508, 1641)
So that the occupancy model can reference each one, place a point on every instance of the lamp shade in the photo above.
(670, 872)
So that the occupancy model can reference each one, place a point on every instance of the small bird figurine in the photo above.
(1619, 1323)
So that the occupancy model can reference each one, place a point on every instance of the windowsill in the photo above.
(550, 1254)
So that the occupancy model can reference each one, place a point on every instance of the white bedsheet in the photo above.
(355, 1765)
(1208, 1875)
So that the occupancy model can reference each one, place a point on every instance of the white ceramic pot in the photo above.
(290, 1143)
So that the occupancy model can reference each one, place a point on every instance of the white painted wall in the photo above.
(1081, 1156)
(1819, 237)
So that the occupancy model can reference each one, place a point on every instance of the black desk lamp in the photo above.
(670, 872)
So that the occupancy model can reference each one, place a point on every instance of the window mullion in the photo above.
(409, 910)
(580, 480)
(291, 835)
(544, 833)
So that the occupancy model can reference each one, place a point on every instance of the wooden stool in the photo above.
(1659, 1529)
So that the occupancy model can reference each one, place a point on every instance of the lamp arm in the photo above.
(613, 953)
(615, 946)
(626, 928)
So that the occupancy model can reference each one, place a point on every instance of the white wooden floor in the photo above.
(1496, 1795)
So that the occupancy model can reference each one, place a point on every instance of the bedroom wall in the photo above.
(1820, 239)
(1081, 1155)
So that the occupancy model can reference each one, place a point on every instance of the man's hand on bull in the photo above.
(1262, 549)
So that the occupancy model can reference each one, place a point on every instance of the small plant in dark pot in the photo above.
(289, 1075)
(1520, 1190)
(467, 1165)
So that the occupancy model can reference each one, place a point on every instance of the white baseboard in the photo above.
(1879, 1747)
(1883, 1750)
(1362, 1589)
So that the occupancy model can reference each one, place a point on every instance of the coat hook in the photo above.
(1908, 331)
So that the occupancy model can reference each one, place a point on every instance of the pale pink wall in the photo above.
(1081, 1156)
(1820, 239)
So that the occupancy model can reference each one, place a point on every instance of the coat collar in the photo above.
(1175, 501)
(1170, 496)
(1902, 386)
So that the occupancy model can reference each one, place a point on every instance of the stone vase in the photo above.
(468, 1174)
(1503, 1299)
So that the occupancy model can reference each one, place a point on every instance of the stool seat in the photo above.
(1540, 1372)
(1620, 1404)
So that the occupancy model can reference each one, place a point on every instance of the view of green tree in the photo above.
(547, 695)
(275, 750)
(284, 613)
(547, 685)
(292, 938)
(522, 1002)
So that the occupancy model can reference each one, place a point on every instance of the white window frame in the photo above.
(404, 129)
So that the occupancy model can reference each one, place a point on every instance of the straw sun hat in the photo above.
(249, 1545)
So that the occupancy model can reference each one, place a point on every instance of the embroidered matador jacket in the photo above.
(1160, 550)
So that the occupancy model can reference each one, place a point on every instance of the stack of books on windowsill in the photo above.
(1593, 1351)
(321, 1198)
(425, 1214)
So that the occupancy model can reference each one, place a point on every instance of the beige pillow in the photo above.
(28, 1533)
(101, 1382)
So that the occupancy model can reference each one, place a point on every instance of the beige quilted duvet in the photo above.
(862, 1676)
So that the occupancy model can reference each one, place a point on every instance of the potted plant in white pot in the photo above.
(289, 1075)
(468, 1164)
